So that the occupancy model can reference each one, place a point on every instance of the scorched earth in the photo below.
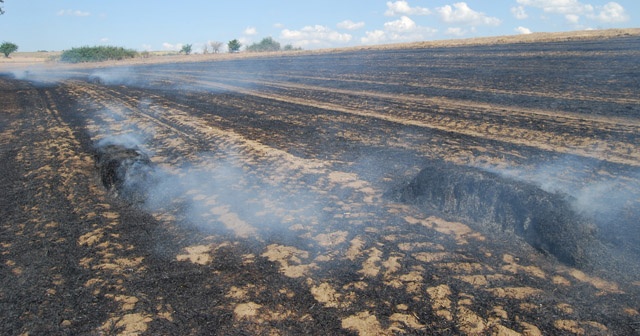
(489, 189)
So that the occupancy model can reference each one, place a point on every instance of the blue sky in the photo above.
(167, 25)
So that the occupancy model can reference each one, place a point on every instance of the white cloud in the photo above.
(460, 13)
(456, 31)
(559, 6)
(523, 30)
(198, 48)
(278, 25)
(173, 47)
(104, 40)
(519, 12)
(572, 18)
(245, 41)
(402, 8)
(404, 24)
(572, 10)
(612, 12)
(401, 30)
(250, 31)
(350, 25)
(71, 12)
(314, 36)
(374, 37)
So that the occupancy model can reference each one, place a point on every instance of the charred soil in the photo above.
(251, 197)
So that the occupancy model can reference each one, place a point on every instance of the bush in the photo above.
(234, 46)
(186, 49)
(96, 54)
(7, 48)
(267, 44)
(290, 47)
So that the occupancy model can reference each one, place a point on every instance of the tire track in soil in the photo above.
(119, 264)
(405, 80)
(72, 284)
(110, 268)
(275, 252)
(289, 256)
(554, 132)
(451, 117)
(348, 228)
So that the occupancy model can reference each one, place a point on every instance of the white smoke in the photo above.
(127, 140)
(607, 196)
(121, 75)
(207, 190)
(42, 75)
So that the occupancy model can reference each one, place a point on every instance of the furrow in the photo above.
(612, 151)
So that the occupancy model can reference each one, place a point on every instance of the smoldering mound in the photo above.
(545, 220)
(125, 170)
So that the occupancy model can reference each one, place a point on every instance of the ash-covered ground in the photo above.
(462, 190)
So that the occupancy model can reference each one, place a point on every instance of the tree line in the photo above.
(106, 53)
(267, 44)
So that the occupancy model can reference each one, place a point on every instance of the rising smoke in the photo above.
(607, 195)
(208, 190)
(594, 192)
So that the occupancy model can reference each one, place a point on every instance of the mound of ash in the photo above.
(545, 220)
(124, 171)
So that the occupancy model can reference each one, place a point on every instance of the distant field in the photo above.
(21, 59)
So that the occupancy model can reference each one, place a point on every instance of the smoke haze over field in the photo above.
(41, 75)
(215, 177)
(209, 190)
(612, 203)
(593, 192)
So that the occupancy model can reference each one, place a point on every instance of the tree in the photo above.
(186, 49)
(234, 46)
(267, 44)
(1, 10)
(215, 46)
(7, 48)
(290, 47)
(96, 54)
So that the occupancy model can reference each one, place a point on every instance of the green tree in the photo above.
(186, 49)
(7, 48)
(96, 54)
(290, 47)
(267, 44)
(1, 10)
(234, 45)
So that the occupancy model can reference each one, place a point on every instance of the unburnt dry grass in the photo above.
(267, 208)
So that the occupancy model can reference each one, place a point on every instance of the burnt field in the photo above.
(463, 190)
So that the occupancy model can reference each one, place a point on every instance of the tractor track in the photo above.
(575, 134)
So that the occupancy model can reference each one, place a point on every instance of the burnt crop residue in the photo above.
(545, 220)
(125, 171)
